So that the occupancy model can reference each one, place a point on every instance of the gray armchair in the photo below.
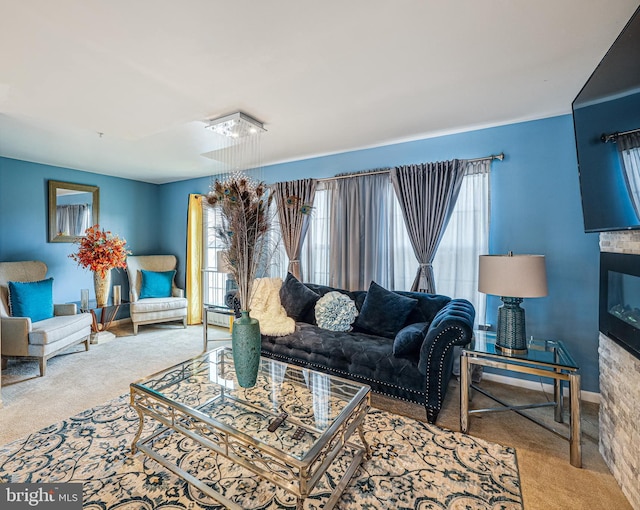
(151, 310)
(45, 338)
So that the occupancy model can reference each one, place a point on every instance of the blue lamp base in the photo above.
(511, 337)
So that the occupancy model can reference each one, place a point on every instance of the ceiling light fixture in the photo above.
(236, 125)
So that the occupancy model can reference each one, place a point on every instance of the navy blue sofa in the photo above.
(421, 375)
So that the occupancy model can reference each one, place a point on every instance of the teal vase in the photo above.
(246, 344)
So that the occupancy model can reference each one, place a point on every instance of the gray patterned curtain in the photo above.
(294, 200)
(427, 194)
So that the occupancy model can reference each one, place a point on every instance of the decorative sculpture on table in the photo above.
(245, 224)
(101, 251)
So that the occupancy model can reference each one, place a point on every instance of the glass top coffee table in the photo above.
(200, 399)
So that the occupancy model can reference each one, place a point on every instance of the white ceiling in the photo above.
(324, 76)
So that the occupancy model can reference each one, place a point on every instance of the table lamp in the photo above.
(512, 277)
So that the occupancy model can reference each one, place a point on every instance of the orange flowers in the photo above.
(101, 251)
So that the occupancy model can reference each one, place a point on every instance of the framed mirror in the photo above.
(72, 209)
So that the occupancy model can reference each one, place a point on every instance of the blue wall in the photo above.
(127, 208)
(535, 208)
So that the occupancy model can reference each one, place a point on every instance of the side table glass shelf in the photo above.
(544, 358)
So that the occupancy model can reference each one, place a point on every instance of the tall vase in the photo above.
(102, 286)
(246, 344)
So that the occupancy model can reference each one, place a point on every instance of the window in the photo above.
(455, 263)
(314, 258)
(214, 283)
(467, 236)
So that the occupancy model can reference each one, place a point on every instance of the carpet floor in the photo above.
(413, 465)
(82, 380)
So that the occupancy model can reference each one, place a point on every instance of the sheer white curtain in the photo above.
(466, 237)
(314, 257)
(403, 262)
(629, 148)
(73, 219)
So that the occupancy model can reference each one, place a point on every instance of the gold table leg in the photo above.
(464, 393)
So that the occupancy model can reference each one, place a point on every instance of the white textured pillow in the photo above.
(335, 311)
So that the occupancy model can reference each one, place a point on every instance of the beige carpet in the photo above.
(77, 381)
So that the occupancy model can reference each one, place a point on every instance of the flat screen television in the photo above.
(606, 110)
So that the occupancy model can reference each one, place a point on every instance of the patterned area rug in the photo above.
(413, 465)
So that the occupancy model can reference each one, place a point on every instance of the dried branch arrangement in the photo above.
(245, 210)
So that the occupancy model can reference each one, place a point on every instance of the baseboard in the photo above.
(587, 396)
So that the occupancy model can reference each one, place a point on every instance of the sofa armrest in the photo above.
(133, 296)
(15, 336)
(452, 325)
(176, 292)
(65, 309)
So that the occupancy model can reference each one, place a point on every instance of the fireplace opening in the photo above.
(620, 299)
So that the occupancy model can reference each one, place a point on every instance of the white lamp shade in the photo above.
(522, 276)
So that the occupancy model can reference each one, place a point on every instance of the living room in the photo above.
(535, 201)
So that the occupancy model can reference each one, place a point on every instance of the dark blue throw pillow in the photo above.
(296, 298)
(31, 299)
(156, 284)
(409, 339)
(384, 313)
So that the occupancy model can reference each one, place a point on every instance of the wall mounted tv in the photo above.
(606, 118)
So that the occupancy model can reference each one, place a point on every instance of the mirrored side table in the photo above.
(215, 315)
(543, 358)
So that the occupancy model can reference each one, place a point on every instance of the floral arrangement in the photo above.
(101, 251)
(244, 205)
(335, 311)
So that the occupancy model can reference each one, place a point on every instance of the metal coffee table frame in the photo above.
(297, 476)
(561, 368)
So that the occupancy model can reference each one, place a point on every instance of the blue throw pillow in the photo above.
(384, 313)
(409, 339)
(31, 299)
(296, 298)
(156, 284)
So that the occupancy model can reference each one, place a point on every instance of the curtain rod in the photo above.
(613, 137)
(375, 172)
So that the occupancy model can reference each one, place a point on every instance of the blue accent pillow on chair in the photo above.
(156, 284)
(31, 299)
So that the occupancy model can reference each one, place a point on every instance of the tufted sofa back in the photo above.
(428, 304)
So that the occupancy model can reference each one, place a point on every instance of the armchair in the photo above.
(42, 339)
(171, 306)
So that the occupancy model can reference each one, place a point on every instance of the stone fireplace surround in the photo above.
(620, 393)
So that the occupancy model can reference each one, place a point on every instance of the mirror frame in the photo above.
(54, 186)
